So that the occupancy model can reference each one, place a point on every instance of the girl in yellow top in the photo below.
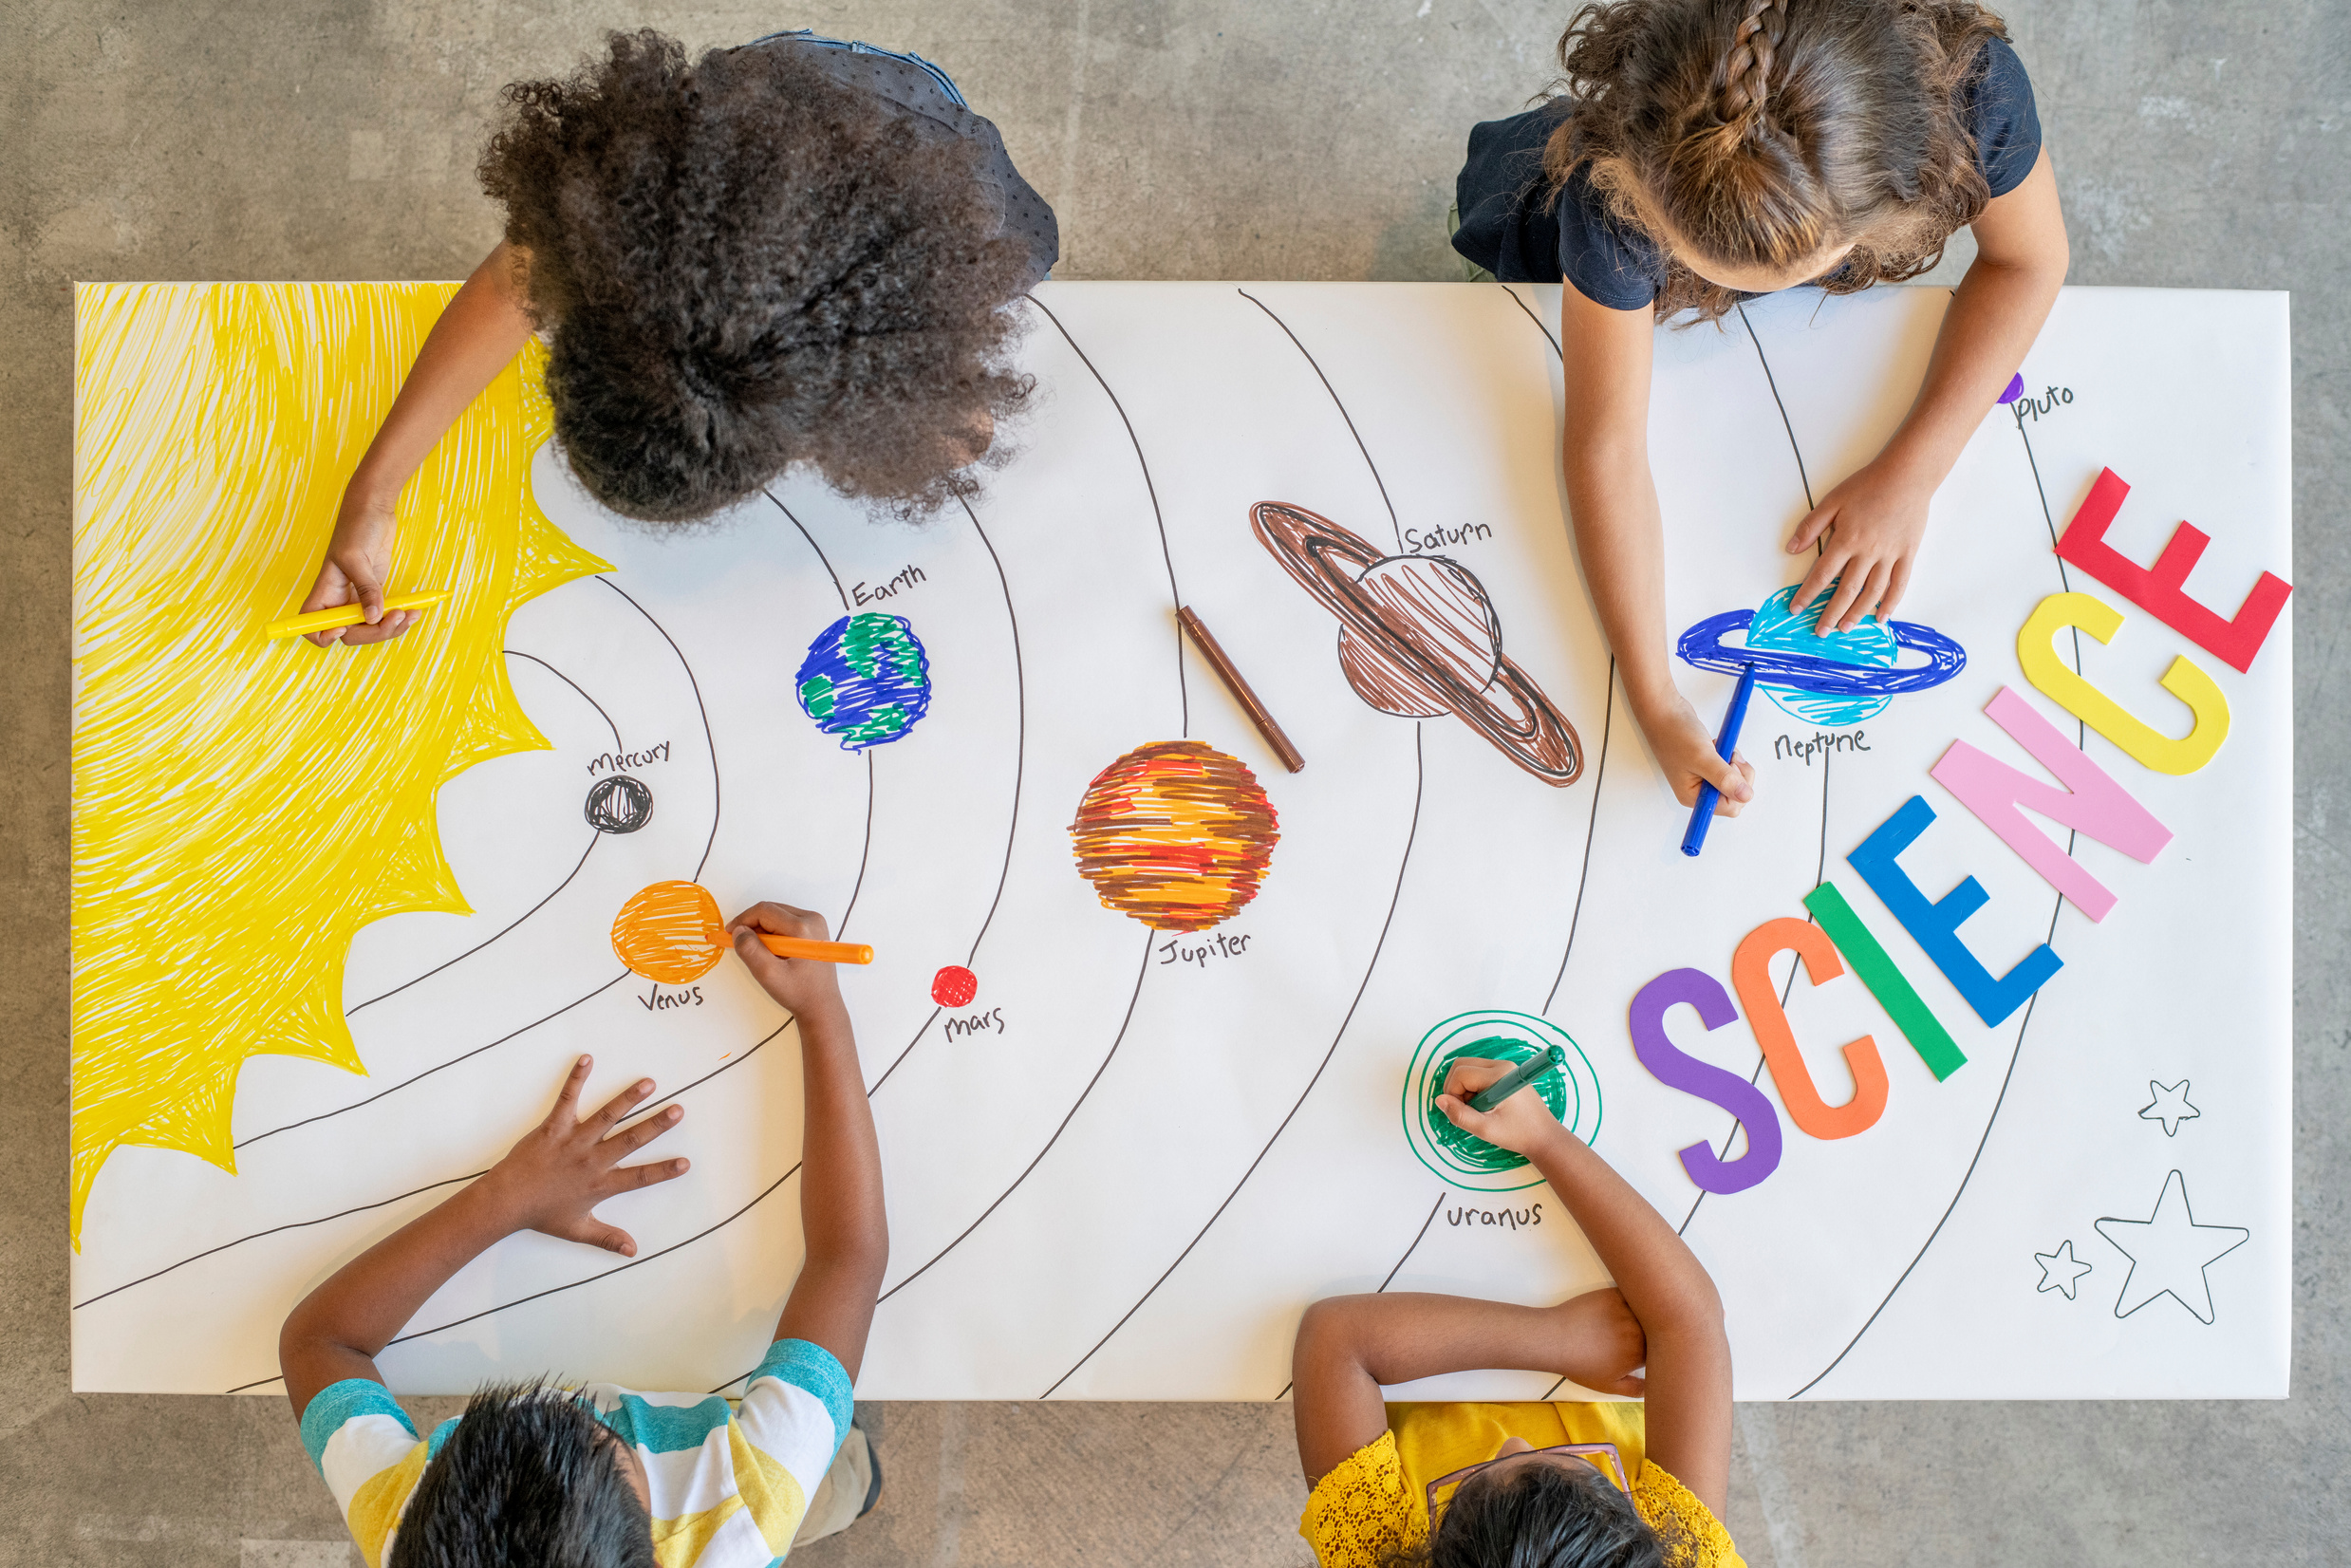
(1503, 1486)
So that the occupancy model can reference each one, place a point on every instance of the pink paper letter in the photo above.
(2158, 590)
(2090, 802)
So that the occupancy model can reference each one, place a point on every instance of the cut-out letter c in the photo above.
(1750, 976)
(2036, 651)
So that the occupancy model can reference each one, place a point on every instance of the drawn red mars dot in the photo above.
(954, 986)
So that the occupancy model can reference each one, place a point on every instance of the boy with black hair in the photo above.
(598, 1477)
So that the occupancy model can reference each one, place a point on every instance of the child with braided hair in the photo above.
(1697, 153)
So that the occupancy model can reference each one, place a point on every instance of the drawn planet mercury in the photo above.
(1176, 834)
(1418, 638)
(1840, 679)
(865, 678)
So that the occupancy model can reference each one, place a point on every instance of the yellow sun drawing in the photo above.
(242, 806)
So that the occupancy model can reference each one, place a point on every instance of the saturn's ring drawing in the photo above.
(1418, 637)
(1702, 647)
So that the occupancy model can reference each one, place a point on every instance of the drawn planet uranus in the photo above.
(1175, 835)
(865, 680)
(1840, 679)
(1419, 638)
(1571, 1094)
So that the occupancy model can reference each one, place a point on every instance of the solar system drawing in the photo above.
(1154, 1027)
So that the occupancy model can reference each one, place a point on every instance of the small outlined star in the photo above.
(2169, 1105)
(2060, 1270)
(2169, 1253)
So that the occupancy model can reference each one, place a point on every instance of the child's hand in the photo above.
(359, 557)
(1600, 1343)
(1873, 522)
(800, 985)
(1521, 1124)
(1684, 748)
(554, 1177)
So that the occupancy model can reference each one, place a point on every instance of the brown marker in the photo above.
(1258, 715)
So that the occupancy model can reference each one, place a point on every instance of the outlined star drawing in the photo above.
(2060, 1270)
(2170, 1106)
(2169, 1253)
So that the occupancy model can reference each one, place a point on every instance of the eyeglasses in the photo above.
(1602, 1457)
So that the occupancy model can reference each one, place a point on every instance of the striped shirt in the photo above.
(729, 1485)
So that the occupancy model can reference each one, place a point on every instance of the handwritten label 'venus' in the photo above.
(1819, 743)
(1222, 946)
(873, 593)
(1419, 541)
(979, 1023)
(659, 1000)
(622, 762)
(1509, 1218)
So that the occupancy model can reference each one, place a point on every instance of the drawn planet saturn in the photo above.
(1176, 834)
(1418, 638)
(1840, 679)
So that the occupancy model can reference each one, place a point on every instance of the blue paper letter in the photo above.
(1936, 926)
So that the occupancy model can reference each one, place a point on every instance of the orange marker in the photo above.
(800, 947)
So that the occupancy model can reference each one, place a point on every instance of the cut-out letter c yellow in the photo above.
(2036, 651)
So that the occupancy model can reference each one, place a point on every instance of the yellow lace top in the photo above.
(1373, 1501)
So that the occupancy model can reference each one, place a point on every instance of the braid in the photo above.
(1746, 69)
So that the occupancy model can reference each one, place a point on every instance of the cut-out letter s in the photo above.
(1750, 974)
(2036, 651)
(1676, 1069)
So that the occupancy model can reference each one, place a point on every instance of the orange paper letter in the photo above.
(1750, 975)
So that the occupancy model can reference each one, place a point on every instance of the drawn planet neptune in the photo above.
(865, 678)
(1840, 679)
(1176, 834)
(1418, 637)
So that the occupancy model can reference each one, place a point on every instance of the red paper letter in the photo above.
(2157, 589)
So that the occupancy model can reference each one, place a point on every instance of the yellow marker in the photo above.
(347, 615)
(799, 947)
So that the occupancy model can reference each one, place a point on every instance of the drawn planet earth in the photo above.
(662, 933)
(954, 986)
(1573, 1094)
(619, 804)
(1176, 834)
(1418, 638)
(1840, 679)
(865, 678)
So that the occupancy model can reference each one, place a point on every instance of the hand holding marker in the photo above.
(1725, 744)
(1493, 1095)
(347, 615)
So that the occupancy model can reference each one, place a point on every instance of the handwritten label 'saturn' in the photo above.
(1419, 541)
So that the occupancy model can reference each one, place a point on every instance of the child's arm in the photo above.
(1620, 539)
(841, 1213)
(1663, 1284)
(1350, 1346)
(550, 1181)
(1877, 517)
(478, 335)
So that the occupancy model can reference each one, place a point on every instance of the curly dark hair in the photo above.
(530, 1475)
(1762, 130)
(744, 266)
(1541, 1515)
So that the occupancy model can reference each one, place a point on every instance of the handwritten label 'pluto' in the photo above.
(1420, 541)
(1819, 743)
(1222, 946)
(624, 762)
(1510, 1217)
(873, 593)
(2032, 408)
(979, 1023)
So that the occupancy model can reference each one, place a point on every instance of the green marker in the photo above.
(1485, 1099)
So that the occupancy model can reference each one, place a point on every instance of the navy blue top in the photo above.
(1510, 227)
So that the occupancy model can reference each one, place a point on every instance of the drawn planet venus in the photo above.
(1840, 679)
(1466, 1161)
(619, 804)
(1176, 834)
(1418, 638)
(954, 986)
(865, 678)
(662, 933)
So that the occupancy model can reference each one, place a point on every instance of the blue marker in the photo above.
(1725, 743)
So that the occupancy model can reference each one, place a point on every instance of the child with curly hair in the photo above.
(1528, 1485)
(599, 1476)
(1701, 152)
(798, 251)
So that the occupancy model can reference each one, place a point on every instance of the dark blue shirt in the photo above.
(1509, 227)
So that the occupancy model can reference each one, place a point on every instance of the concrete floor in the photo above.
(2198, 146)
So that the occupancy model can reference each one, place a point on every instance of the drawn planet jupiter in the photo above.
(1418, 638)
(1176, 834)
